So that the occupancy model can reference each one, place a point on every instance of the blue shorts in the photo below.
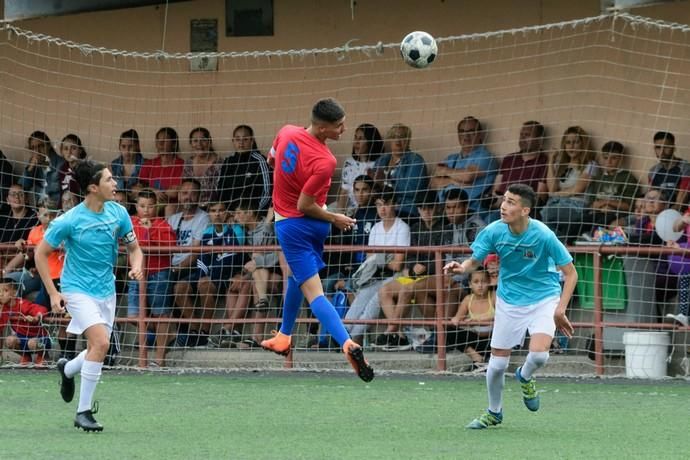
(42, 340)
(158, 295)
(302, 239)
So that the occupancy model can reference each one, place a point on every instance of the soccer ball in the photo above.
(418, 49)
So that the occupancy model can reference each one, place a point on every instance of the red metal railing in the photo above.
(440, 321)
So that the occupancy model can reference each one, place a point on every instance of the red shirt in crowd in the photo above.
(160, 233)
(162, 177)
(15, 312)
(302, 164)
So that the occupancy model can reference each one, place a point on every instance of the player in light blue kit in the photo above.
(91, 232)
(529, 296)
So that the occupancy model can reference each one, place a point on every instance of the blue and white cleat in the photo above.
(529, 391)
(486, 420)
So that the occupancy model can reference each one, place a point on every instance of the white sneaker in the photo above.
(681, 318)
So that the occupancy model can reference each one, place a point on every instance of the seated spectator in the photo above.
(367, 147)
(72, 151)
(263, 270)
(526, 166)
(217, 269)
(126, 168)
(610, 195)
(153, 231)
(245, 174)
(568, 174)
(389, 231)
(40, 177)
(401, 169)
(189, 225)
(461, 228)
(671, 173)
(7, 176)
(477, 306)
(28, 337)
(164, 173)
(418, 282)
(640, 226)
(68, 201)
(16, 221)
(204, 165)
(472, 169)
(679, 265)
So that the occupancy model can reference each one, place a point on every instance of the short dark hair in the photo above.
(613, 147)
(526, 194)
(366, 179)
(457, 193)
(248, 204)
(147, 193)
(427, 199)
(9, 281)
(192, 180)
(538, 128)
(665, 135)
(327, 110)
(387, 195)
(88, 172)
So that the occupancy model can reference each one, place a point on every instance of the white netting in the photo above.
(619, 77)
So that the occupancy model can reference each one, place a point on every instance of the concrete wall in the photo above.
(620, 86)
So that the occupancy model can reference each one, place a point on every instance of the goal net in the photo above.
(576, 107)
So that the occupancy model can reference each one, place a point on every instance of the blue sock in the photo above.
(329, 318)
(291, 305)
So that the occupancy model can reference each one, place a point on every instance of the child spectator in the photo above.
(216, 269)
(153, 231)
(478, 306)
(28, 336)
(263, 269)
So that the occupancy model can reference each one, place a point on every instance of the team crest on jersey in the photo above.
(528, 254)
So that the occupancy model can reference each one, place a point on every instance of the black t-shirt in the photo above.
(12, 229)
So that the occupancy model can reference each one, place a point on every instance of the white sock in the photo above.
(90, 374)
(495, 379)
(73, 367)
(535, 360)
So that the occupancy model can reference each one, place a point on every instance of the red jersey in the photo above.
(162, 177)
(302, 164)
(14, 313)
(160, 233)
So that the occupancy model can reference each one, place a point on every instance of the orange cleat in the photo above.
(280, 343)
(24, 359)
(355, 356)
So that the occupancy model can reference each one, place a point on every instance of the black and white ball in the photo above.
(418, 49)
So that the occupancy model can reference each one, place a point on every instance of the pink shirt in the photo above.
(302, 165)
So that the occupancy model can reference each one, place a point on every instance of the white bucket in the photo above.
(646, 354)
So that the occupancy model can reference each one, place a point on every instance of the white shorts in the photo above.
(87, 311)
(512, 322)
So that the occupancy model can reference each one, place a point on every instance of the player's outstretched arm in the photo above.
(459, 268)
(570, 281)
(306, 204)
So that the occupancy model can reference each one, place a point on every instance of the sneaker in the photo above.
(262, 305)
(355, 356)
(225, 338)
(529, 391)
(24, 359)
(397, 342)
(66, 383)
(479, 368)
(381, 340)
(39, 359)
(681, 318)
(428, 346)
(86, 422)
(280, 343)
(486, 420)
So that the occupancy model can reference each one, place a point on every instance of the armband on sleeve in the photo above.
(129, 238)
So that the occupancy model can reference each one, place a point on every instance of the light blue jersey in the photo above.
(91, 243)
(527, 262)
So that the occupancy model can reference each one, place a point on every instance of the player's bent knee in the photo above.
(12, 342)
